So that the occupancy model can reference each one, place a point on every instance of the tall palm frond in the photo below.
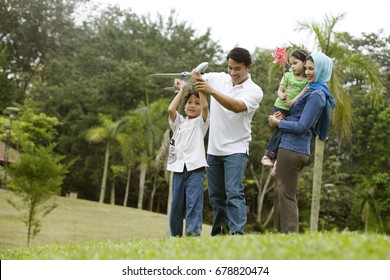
(347, 63)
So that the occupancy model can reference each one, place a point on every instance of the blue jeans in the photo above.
(187, 197)
(226, 192)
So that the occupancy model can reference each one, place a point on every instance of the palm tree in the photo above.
(153, 122)
(104, 133)
(346, 63)
(128, 143)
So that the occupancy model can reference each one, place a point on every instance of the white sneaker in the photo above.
(266, 161)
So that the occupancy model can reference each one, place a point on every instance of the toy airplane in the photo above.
(185, 76)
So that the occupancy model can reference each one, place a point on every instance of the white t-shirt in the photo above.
(230, 132)
(188, 147)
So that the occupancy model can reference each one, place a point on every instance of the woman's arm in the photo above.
(292, 101)
(314, 104)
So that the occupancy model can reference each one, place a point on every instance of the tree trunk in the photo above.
(317, 182)
(261, 190)
(127, 186)
(142, 180)
(112, 197)
(104, 179)
(154, 189)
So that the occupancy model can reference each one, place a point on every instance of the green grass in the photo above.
(80, 230)
(315, 246)
(77, 220)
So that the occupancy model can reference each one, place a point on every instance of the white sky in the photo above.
(265, 24)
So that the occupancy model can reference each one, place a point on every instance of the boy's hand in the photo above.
(177, 84)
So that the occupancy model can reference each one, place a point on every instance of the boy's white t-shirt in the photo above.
(188, 148)
(230, 132)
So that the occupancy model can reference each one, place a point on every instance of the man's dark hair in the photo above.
(240, 55)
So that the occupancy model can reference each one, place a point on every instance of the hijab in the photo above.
(322, 74)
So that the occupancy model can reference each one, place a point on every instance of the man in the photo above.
(234, 100)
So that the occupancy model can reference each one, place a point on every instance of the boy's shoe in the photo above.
(266, 161)
(273, 171)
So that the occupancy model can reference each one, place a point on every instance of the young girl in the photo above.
(187, 159)
(291, 87)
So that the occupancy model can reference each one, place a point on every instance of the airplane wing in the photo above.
(170, 88)
(183, 75)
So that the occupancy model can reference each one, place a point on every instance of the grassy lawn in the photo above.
(77, 221)
(86, 230)
(318, 246)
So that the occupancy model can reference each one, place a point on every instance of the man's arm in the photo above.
(228, 102)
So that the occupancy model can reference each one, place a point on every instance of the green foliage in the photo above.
(30, 30)
(106, 132)
(9, 92)
(35, 179)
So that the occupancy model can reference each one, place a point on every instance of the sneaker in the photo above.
(266, 161)
(273, 171)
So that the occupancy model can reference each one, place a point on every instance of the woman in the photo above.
(311, 110)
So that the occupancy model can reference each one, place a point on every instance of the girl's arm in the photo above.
(308, 116)
(291, 102)
(282, 92)
(282, 88)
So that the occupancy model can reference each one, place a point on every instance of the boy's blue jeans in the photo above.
(226, 192)
(187, 198)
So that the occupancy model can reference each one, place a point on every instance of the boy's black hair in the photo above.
(240, 55)
(187, 96)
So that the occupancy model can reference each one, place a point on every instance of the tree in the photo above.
(31, 30)
(36, 178)
(153, 121)
(345, 62)
(105, 133)
(128, 142)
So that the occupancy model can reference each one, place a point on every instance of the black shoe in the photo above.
(238, 232)
(223, 230)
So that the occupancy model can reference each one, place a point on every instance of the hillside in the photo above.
(77, 220)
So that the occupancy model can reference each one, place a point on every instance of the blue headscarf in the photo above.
(322, 73)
